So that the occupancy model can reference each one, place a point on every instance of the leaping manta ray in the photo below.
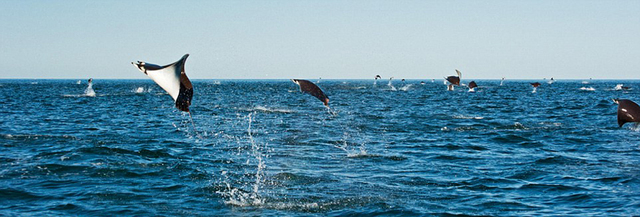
(472, 86)
(172, 79)
(535, 86)
(314, 90)
(628, 111)
(454, 80)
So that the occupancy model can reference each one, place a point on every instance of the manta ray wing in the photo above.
(453, 80)
(172, 79)
(628, 111)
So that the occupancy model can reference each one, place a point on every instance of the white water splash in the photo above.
(406, 87)
(237, 196)
(255, 149)
(534, 90)
(267, 109)
(450, 87)
(350, 151)
(89, 91)
(620, 87)
(588, 88)
(391, 85)
(78, 82)
(139, 90)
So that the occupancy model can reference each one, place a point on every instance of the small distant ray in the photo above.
(621, 87)
(453, 80)
(535, 86)
(89, 91)
(472, 86)
(314, 90)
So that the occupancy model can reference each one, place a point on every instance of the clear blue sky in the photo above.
(328, 39)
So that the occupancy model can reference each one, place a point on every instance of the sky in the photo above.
(331, 39)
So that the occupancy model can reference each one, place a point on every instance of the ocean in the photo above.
(263, 148)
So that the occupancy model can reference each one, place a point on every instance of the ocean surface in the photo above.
(261, 147)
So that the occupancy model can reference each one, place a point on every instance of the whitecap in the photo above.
(621, 87)
(361, 153)
(588, 88)
(266, 109)
(467, 117)
(141, 90)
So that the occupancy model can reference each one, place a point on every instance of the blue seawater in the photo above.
(261, 147)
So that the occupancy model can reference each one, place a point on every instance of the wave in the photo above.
(260, 108)
(78, 95)
(467, 117)
(588, 88)
(36, 136)
(141, 90)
